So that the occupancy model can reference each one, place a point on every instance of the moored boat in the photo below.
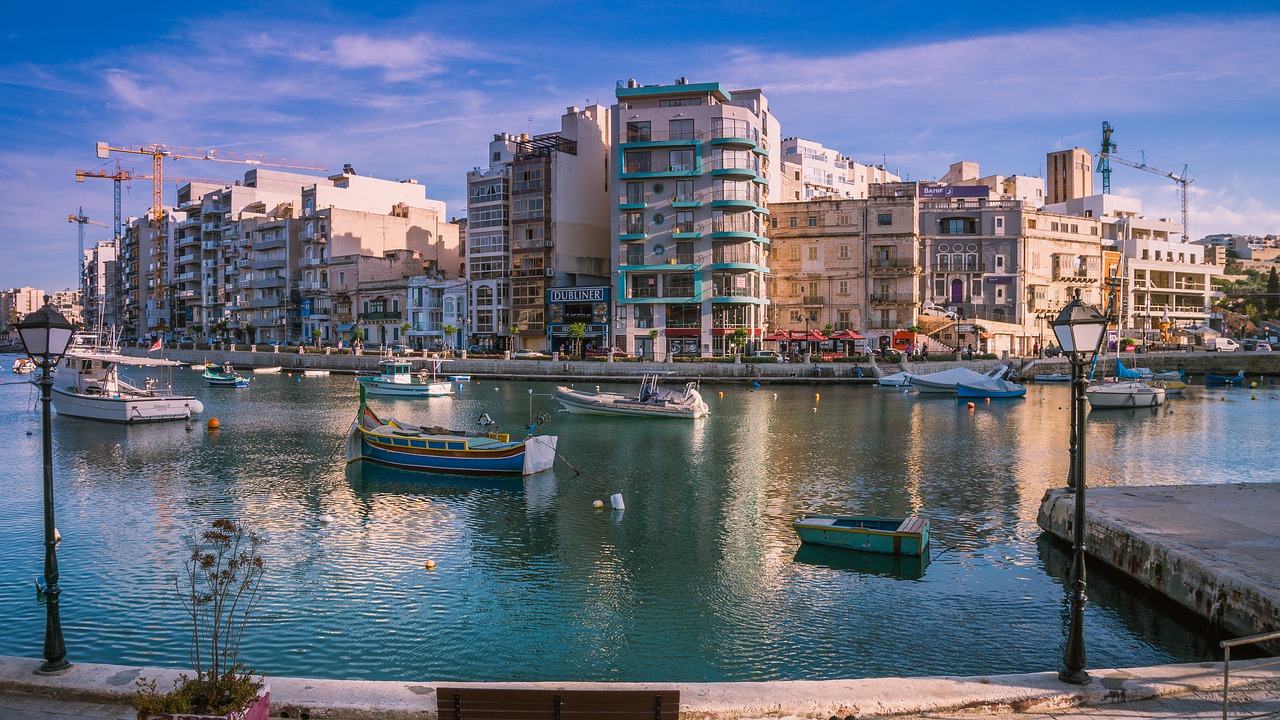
(1052, 377)
(896, 380)
(224, 376)
(946, 381)
(88, 385)
(990, 388)
(390, 442)
(273, 370)
(1124, 394)
(651, 401)
(23, 366)
(396, 377)
(894, 536)
(1212, 380)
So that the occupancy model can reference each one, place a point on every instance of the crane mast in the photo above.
(80, 220)
(1104, 166)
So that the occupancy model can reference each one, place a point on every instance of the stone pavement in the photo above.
(1156, 693)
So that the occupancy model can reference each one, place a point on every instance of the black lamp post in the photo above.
(45, 336)
(1079, 329)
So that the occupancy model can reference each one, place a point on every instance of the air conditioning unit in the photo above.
(550, 272)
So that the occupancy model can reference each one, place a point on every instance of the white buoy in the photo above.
(615, 501)
(57, 536)
(326, 518)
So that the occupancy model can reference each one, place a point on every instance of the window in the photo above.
(638, 161)
(681, 161)
(999, 223)
(794, 222)
(843, 287)
(684, 191)
(843, 252)
(944, 263)
(684, 253)
(496, 157)
(813, 221)
(976, 289)
(635, 253)
(639, 131)
(681, 129)
(884, 219)
(773, 223)
(633, 223)
(812, 252)
(793, 253)
(939, 287)
(635, 193)
(999, 263)
(684, 221)
(958, 226)
(1031, 224)
(999, 294)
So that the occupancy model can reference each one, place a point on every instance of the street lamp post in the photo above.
(1079, 329)
(45, 336)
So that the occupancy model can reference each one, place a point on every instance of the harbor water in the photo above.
(700, 578)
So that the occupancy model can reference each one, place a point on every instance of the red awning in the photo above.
(846, 335)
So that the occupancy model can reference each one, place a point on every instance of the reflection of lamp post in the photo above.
(1079, 329)
(45, 336)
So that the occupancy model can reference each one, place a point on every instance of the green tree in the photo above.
(577, 331)
(1273, 293)
(450, 332)
(739, 337)
(316, 335)
(653, 342)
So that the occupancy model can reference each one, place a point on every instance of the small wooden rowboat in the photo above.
(894, 536)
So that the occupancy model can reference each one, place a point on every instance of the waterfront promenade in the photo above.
(1167, 691)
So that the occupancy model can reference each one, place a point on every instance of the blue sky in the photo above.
(402, 90)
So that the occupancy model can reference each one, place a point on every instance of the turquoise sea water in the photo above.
(700, 578)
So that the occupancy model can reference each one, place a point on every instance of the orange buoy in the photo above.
(214, 424)
(970, 406)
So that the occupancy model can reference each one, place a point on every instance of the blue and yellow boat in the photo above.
(389, 442)
(892, 536)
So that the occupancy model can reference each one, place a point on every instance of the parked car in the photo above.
(524, 354)
(767, 356)
(1221, 344)
(1263, 347)
(617, 353)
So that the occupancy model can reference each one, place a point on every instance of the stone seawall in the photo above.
(1214, 549)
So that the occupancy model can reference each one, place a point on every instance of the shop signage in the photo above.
(930, 192)
(596, 294)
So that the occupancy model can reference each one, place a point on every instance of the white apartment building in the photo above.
(538, 219)
(816, 172)
(101, 283)
(695, 165)
(1163, 281)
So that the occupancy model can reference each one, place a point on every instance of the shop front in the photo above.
(578, 319)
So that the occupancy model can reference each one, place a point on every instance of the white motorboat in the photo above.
(88, 385)
(947, 380)
(1052, 377)
(898, 379)
(397, 378)
(273, 370)
(23, 366)
(651, 401)
(1124, 394)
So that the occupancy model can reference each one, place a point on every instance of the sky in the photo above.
(417, 90)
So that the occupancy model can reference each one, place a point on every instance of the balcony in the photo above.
(813, 301)
(893, 266)
(270, 264)
(891, 299)
(313, 262)
(680, 137)
(381, 316)
(631, 231)
(731, 168)
(734, 227)
(313, 286)
(266, 302)
(970, 267)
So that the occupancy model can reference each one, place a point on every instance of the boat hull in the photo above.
(582, 403)
(452, 454)
(126, 408)
(967, 391)
(890, 536)
(1124, 395)
(374, 386)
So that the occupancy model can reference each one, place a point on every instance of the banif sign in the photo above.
(934, 192)
(582, 294)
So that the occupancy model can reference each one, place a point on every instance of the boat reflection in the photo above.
(898, 567)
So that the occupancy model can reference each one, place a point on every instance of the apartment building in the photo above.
(69, 304)
(102, 287)
(371, 293)
(853, 264)
(695, 165)
(17, 303)
(144, 262)
(814, 172)
(538, 219)
(1163, 282)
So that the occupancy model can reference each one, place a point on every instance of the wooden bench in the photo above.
(535, 704)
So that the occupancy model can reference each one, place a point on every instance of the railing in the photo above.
(734, 165)
(634, 136)
(813, 300)
(1226, 646)
(631, 229)
(638, 167)
(733, 224)
(735, 195)
(683, 227)
(893, 264)
(684, 258)
(376, 316)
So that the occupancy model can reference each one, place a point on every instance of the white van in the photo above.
(1221, 344)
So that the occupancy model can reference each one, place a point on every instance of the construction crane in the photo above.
(1104, 166)
(159, 152)
(80, 220)
(124, 175)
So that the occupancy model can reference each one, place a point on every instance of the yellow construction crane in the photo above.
(159, 152)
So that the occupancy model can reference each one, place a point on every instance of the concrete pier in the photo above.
(1212, 548)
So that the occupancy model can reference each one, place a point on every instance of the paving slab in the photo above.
(92, 688)
(1214, 549)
